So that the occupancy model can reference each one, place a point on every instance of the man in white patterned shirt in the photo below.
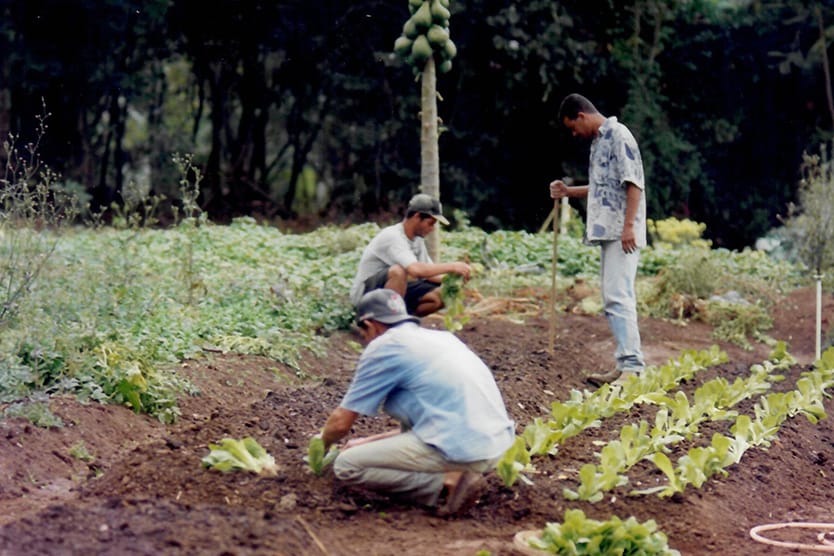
(615, 220)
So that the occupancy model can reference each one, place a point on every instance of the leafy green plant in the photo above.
(37, 413)
(594, 481)
(317, 458)
(515, 460)
(79, 451)
(243, 455)
(737, 322)
(127, 377)
(451, 292)
(578, 535)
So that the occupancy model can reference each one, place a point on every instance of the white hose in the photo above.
(824, 546)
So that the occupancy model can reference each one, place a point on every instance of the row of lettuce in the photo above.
(675, 433)
(112, 309)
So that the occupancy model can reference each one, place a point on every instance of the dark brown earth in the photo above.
(145, 491)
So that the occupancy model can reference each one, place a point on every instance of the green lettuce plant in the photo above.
(240, 455)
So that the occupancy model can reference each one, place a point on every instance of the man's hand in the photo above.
(463, 269)
(628, 239)
(558, 189)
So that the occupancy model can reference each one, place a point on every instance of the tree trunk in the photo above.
(826, 67)
(430, 165)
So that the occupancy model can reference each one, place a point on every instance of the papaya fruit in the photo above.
(445, 66)
(414, 5)
(422, 17)
(402, 46)
(439, 14)
(437, 36)
(449, 49)
(420, 50)
(410, 29)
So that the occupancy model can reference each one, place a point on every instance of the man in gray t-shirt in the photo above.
(397, 259)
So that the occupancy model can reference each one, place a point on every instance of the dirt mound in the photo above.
(142, 489)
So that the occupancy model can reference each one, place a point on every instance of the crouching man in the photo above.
(398, 259)
(454, 425)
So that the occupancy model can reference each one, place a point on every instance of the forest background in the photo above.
(298, 112)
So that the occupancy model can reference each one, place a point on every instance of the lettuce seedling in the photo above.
(451, 292)
(316, 458)
(244, 455)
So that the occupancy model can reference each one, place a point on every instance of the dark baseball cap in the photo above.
(383, 305)
(427, 205)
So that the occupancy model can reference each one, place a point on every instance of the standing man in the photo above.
(615, 220)
(397, 259)
(453, 423)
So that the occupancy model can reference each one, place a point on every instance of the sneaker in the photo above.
(469, 488)
(603, 378)
(624, 377)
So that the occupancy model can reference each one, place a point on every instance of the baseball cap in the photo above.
(427, 205)
(383, 305)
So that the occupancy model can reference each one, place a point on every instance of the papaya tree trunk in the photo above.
(430, 160)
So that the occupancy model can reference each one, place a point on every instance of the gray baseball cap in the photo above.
(427, 205)
(383, 305)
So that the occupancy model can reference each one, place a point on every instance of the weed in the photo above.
(194, 217)
(37, 413)
(32, 209)
(79, 451)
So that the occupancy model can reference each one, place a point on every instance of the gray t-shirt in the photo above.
(390, 246)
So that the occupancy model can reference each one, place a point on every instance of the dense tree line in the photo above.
(299, 108)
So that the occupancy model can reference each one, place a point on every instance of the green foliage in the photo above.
(37, 413)
(728, 289)
(515, 460)
(810, 223)
(451, 292)
(579, 535)
(737, 322)
(31, 206)
(128, 377)
(109, 318)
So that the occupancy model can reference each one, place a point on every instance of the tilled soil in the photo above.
(143, 489)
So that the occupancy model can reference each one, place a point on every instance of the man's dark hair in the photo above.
(573, 104)
(423, 215)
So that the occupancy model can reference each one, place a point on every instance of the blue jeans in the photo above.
(618, 271)
(402, 465)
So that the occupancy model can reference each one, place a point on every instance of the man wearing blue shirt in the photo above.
(454, 425)
(615, 220)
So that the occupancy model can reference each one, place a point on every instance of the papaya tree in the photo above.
(425, 44)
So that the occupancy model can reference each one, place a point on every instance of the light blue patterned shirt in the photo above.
(614, 160)
(432, 383)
